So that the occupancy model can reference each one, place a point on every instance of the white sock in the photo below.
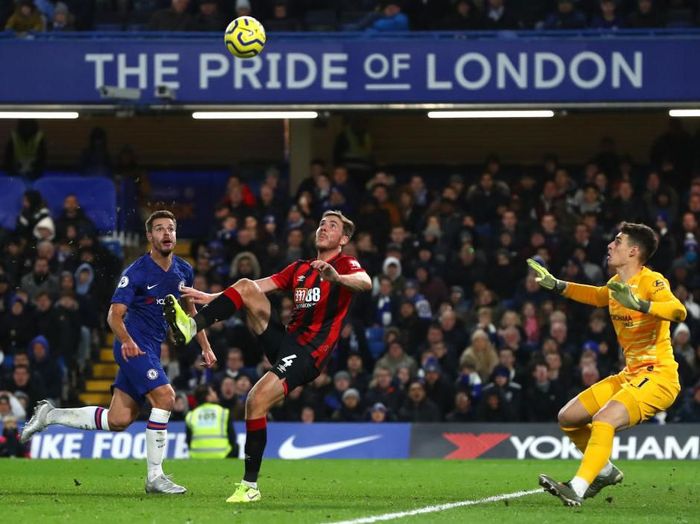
(91, 417)
(607, 469)
(253, 485)
(156, 439)
(579, 485)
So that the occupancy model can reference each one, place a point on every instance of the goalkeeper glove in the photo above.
(544, 278)
(623, 294)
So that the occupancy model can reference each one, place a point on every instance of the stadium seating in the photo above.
(95, 194)
(11, 191)
(375, 341)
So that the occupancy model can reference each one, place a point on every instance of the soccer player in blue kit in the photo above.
(136, 318)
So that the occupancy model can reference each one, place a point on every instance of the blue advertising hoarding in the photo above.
(292, 441)
(288, 441)
(358, 70)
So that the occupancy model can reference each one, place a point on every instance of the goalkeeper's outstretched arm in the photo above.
(592, 295)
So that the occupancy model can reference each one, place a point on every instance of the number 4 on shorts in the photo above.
(286, 362)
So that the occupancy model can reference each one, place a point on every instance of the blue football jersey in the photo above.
(142, 289)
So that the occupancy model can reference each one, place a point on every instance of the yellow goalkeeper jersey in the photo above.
(645, 338)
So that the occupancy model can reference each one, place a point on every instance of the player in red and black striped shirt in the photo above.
(322, 290)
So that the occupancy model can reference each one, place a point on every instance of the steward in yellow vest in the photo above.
(210, 432)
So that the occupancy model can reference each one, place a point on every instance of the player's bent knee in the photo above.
(246, 288)
(563, 418)
(165, 402)
(118, 423)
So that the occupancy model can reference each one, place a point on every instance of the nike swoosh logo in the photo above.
(151, 287)
(288, 450)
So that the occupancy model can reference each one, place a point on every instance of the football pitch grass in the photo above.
(106, 491)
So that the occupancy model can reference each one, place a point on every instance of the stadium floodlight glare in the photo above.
(253, 115)
(510, 113)
(681, 113)
(39, 115)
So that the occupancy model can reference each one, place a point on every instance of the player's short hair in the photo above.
(348, 225)
(161, 213)
(643, 237)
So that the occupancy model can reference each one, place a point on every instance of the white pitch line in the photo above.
(440, 507)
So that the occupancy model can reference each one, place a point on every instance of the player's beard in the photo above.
(164, 251)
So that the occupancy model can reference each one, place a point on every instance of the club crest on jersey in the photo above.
(306, 297)
(152, 374)
(123, 282)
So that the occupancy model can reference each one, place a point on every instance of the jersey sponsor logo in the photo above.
(151, 287)
(306, 297)
(290, 451)
(621, 318)
(151, 300)
(286, 362)
(152, 374)
(123, 282)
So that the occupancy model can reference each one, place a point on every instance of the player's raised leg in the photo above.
(162, 399)
(245, 293)
(267, 392)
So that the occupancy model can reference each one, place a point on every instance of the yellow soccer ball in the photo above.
(245, 37)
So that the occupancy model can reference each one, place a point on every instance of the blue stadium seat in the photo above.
(95, 194)
(196, 193)
(54, 174)
(375, 341)
(375, 334)
(376, 348)
(11, 191)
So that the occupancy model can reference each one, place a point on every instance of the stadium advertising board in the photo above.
(348, 70)
(545, 441)
(376, 441)
(287, 441)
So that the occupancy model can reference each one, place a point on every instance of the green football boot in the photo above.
(244, 493)
(183, 326)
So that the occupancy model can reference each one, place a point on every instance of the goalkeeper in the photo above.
(641, 307)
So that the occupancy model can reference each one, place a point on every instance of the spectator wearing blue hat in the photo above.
(509, 392)
(45, 367)
(438, 389)
(412, 293)
(379, 413)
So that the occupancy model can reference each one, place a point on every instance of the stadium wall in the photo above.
(386, 441)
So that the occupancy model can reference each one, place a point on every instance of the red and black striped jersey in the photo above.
(319, 306)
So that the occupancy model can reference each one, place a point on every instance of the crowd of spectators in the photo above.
(24, 16)
(56, 279)
(455, 329)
